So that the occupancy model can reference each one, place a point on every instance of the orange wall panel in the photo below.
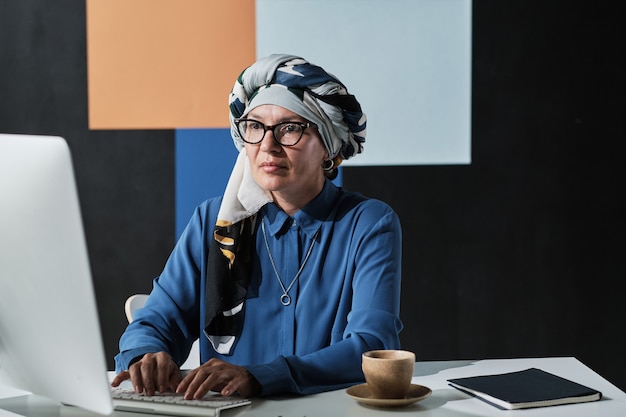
(162, 64)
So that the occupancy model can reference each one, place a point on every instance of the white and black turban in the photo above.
(307, 90)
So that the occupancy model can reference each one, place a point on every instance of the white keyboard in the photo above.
(170, 403)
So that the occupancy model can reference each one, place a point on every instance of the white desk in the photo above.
(444, 401)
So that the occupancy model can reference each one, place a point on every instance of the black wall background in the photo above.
(519, 254)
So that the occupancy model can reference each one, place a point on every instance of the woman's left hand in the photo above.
(217, 375)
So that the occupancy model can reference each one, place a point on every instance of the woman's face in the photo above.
(292, 174)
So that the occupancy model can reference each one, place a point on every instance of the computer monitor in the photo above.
(50, 339)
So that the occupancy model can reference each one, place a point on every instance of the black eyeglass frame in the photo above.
(303, 125)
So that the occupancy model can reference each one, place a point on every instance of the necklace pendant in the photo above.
(285, 299)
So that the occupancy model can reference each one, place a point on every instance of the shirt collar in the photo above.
(309, 218)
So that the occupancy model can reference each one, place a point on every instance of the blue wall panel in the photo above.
(204, 160)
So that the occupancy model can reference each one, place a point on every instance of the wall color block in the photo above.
(204, 160)
(158, 64)
(408, 62)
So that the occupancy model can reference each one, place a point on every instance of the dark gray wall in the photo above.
(518, 254)
(522, 252)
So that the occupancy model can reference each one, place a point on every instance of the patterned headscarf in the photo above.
(307, 90)
(312, 93)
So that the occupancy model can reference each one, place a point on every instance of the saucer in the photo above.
(362, 394)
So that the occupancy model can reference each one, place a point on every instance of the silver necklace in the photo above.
(285, 299)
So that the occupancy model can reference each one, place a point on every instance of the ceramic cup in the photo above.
(388, 373)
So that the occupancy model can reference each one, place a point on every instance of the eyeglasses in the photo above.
(285, 133)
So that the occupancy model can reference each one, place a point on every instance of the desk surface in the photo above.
(444, 401)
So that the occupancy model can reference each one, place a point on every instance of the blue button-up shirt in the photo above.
(346, 300)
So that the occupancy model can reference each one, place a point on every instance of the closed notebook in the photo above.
(525, 389)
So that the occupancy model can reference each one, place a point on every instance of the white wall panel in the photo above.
(407, 61)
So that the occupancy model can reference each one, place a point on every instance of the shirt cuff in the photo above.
(274, 377)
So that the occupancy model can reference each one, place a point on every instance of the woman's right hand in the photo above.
(153, 372)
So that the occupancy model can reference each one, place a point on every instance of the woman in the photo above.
(286, 279)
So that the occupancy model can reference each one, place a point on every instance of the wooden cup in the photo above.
(388, 373)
